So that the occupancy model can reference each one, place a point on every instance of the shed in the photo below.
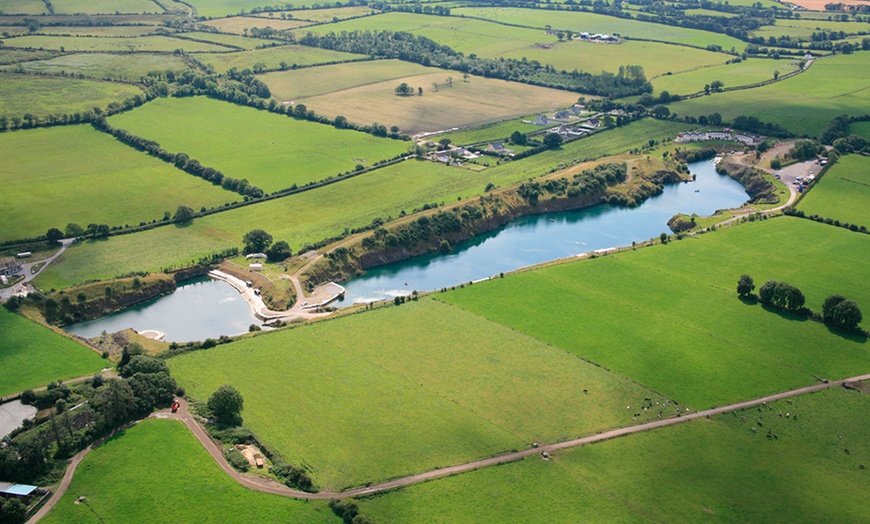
(18, 491)
(255, 267)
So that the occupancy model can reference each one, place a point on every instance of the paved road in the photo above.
(266, 485)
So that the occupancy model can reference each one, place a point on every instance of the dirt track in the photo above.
(270, 486)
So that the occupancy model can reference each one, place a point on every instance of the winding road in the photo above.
(266, 485)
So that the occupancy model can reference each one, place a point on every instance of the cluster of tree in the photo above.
(837, 310)
(630, 80)
(791, 211)
(180, 160)
(107, 405)
(647, 100)
(837, 6)
(805, 150)
(259, 241)
(757, 186)
(588, 182)
(418, 8)
(348, 511)
(293, 476)
(852, 144)
(752, 124)
(695, 155)
(839, 126)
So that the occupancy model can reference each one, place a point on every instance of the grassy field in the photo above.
(241, 24)
(843, 193)
(218, 8)
(860, 129)
(11, 56)
(272, 57)
(32, 355)
(495, 131)
(140, 44)
(314, 81)
(329, 15)
(130, 67)
(408, 389)
(41, 96)
(23, 7)
(275, 151)
(72, 7)
(329, 210)
(803, 104)
(227, 40)
(77, 174)
(710, 471)
(595, 23)
(803, 29)
(656, 58)
(109, 30)
(681, 329)
(468, 102)
(732, 75)
(492, 40)
(167, 477)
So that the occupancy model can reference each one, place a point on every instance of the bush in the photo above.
(236, 459)
(839, 311)
(226, 403)
(144, 364)
(28, 397)
(293, 477)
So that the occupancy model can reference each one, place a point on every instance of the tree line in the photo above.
(837, 311)
(180, 160)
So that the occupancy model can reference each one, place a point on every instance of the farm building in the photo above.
(22, 492)
(497, 147)
(9, 266)
(542, 120)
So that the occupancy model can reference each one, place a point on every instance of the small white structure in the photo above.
(25, 254)
(256, 266)
(256, 255)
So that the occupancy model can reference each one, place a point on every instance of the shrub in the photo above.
(236, 459)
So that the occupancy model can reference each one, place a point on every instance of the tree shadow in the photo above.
(853, 336)
(182, 225)
(749, 300)
(786, 315)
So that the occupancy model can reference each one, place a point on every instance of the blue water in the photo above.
(207, 308)
(201, 308)
(540, 238)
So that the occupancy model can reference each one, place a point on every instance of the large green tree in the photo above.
(256, 241)
(226, 404)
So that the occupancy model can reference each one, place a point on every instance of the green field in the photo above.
(803, 29)
(402, 390)
(242, 24)
(226, 40)
(656, 58)
(54, 176)
(274, 153)
(42, 96)
(141, 44)
(23, 7)
(679, 327)
(497, 131)
(11, 56)
(595, 23)
(130, 67)
(156, 471)
(218, 8)
(72, 7)
(324, 212)
(732, 75)
(110, 30)
(709, 471)
(860, 129)
(492, 40)
(469, 102)
(803, 104)
(842, 193)
(329, 15)
(272, 57)
(32, 355)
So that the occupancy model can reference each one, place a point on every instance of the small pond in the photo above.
(198, 309)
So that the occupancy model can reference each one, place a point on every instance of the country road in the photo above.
(266, 485)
